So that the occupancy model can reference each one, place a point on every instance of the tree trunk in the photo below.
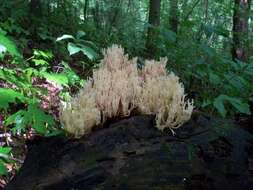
(85, 9)
(36, 8)
(96, 15)
(154, 21)
(173, 18)
(35, 11)
(240, 48)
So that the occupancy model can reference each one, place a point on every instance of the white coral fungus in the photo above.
(117, 87)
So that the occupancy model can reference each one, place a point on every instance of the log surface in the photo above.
(132, 154)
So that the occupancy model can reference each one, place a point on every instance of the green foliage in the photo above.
(9, 96)
(79, 45)
(34, 117)
(238, 105)
(7, 45)
(21, 93)
(199, 52)
(4, 155)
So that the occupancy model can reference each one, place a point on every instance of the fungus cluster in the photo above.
(118, 87)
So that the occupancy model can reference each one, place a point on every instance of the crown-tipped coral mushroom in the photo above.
(117, 87)
(163, 95)
(116, 84)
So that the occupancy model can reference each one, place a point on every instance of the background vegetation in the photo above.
(48, 49)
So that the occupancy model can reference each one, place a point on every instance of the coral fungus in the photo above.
(117, 87)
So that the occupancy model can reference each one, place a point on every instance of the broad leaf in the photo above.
(4, 153)
(5, 150)
(3, 170)
(80, 34)
(38, 119)
(89, 52)
(73, 49)
(219, 105)
(43, 54)
(64, 37)
(40, 62)
(32, 117)
(3, 50)
(9, 96)
(239, 105)
(60, 79)
(9, 45)
(235, 102)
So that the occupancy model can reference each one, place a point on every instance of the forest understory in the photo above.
(50, 49)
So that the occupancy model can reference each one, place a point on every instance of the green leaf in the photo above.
(208, 50)
(235, 102)
(86, 50)
(73, 49)
(219, 105)
(33, 117)
(2, 32)
(249, 69)
(80, 34)
(3, 170)
(15, 118)
(89, 52)
(5, 150)
(40, 62)
(38, 119)
(239, 105)
(206, 102)
(43, 54)
(9, 96)
(214, 79)
(9, 45)
(58, 78)
(64, 37)
(2, 50)
(170, 35)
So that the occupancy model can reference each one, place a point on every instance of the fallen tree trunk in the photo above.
(133, 154)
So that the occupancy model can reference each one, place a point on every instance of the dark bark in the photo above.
(132, 154)
(36, 8)
(240, 46)
(36, 12)
(206, 10)
(85, 9)
(96, 15)
(154, 22)
(114, 15)
(173, 18)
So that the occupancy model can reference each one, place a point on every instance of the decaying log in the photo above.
(132, 154)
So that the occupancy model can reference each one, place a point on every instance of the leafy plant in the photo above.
(34, 117)
(86, 47)
(20, 98)
(7, 45)
(4, 157)
(220, 101)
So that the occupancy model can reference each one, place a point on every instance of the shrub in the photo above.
(117, 87)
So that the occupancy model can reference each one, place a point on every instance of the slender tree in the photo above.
(154, 21)
(173, 15)
(240, 47)
(85, 9)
